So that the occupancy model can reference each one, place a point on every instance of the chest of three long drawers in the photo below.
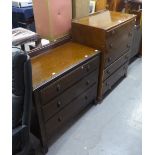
(63, 97)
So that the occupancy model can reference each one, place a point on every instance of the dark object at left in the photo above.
(22, 139)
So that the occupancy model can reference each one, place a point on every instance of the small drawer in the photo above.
(67, 80)
(117, 64)
(107, 84)
(70, 111)
(65, 98)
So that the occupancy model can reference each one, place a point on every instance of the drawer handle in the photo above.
(88, 82)
(110, 45)
(108, 71)
(130, 34)
(128, 46)
(88, 68)
(60, 119)
(59, 104)
(107, 84)
(109, 59)
(113, 32)
(58, 87)
(86, 97)
(126, 57)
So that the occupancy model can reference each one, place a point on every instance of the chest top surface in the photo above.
(49, 65)
(105, 19)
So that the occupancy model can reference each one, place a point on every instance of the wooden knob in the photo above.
(60, 119)
(107, 84)
(108, 72)
(59, 104)
(86, 97)
(58, 87)
(113, 32)
(88, 68)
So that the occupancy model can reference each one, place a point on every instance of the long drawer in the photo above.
(67, 80)
(118, 41)
(70, 111)
(107, 84)
(117, 64)
(59, 102)
(117, 31)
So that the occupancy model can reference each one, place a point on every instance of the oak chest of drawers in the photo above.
(111, 33)
(65, 81)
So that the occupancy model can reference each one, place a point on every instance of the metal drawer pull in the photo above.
(60, 119)
(58, 87)
(59, 104)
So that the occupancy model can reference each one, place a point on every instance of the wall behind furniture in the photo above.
(52, 18)
(80, 8)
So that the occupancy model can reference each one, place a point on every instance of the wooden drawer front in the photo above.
(107, 84)
(59, 102)
(117, 64)
(118, 41)
(67, 80)
(70, 111)
(115, 32)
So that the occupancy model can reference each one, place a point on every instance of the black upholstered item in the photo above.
(21, 101)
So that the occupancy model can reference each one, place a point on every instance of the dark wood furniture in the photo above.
(111, 33)
(135, 7)
(65, 81)
(136, 48)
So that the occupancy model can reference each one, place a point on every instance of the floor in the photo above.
(113, 127)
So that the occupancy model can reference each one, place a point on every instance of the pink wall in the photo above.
(52, 17)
